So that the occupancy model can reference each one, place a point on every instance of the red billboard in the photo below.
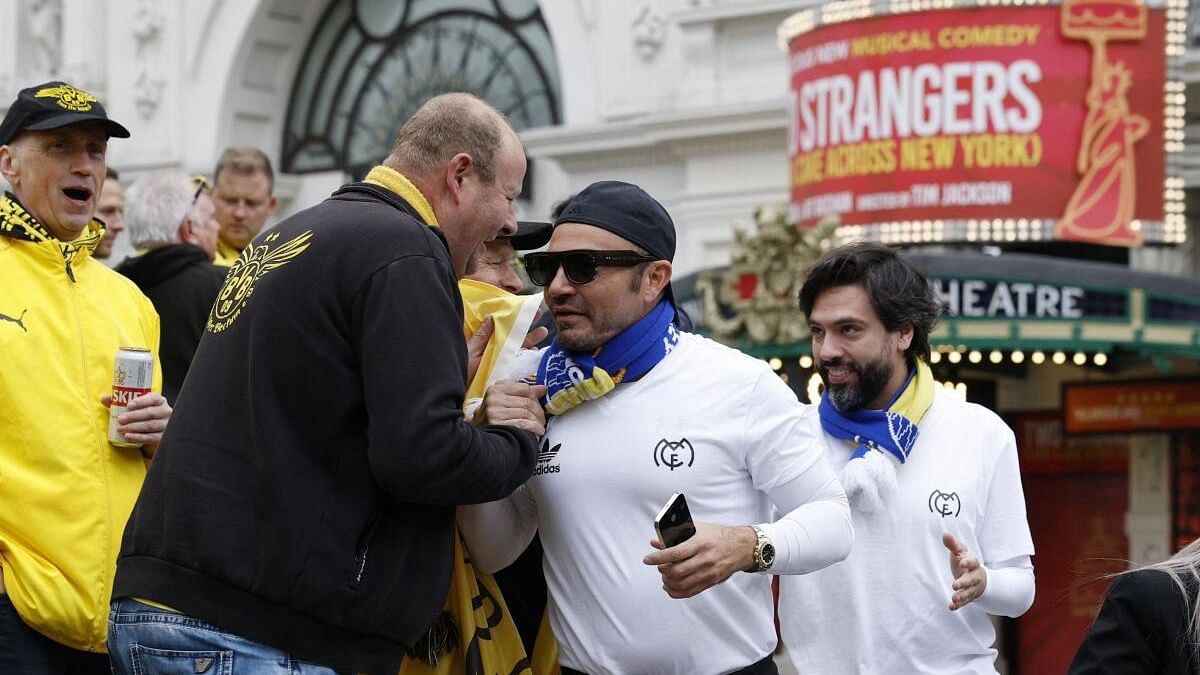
(1053, 113)
(1090, 407)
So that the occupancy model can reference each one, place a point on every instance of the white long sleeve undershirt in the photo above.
(1010, 587)
(815, 533)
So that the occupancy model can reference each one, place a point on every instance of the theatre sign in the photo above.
(989, 122)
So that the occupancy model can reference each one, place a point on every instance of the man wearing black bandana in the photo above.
(66, 491)
(642, 410)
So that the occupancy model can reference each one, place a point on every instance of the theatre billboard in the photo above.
(987, 123)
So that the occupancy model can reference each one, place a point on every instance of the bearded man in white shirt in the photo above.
(941, 538)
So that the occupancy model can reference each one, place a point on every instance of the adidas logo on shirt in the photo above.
(546, 455)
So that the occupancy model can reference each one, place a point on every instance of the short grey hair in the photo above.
(444, 126)
(155, 207)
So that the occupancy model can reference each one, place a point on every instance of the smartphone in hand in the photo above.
(674, 522)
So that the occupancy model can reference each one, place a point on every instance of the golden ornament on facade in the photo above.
(756, 297)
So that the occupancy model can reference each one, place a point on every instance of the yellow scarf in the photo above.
(512, 316)
(395, 181)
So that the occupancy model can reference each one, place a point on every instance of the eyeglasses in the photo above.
(580, 266)
(201, 185)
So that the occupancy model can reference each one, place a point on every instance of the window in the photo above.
(371, 63)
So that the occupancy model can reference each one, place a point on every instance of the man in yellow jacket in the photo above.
(243, 194)
(65, 491)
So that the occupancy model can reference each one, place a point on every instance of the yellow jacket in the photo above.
(65, 492)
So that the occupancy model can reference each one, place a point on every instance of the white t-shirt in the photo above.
(709, 422)
(885, 609)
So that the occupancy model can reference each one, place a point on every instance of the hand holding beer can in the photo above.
(133, 374)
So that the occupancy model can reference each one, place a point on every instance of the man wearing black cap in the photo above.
(522, 583)
(495, 263)
(641, 411)
(66, 490)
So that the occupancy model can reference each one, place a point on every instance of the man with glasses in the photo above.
(497, 261)
(299, 517)
(640, 411)
(170, 217)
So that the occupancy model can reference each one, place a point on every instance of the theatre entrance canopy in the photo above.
(1006, 309)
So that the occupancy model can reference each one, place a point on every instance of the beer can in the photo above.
(133, 373)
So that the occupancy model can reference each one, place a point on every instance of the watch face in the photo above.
(768, 555)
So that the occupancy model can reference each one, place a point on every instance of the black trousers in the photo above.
(765, 667)
(26, 651)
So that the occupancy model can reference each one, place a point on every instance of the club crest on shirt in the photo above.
(674, 454)
(252, 265)
(945, 503)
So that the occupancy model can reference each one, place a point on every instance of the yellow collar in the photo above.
(226, 254)
(396, 182)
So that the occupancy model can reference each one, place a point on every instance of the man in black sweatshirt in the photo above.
(170, 217)
(300, 511)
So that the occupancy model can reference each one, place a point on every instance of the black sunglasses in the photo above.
(580, 266)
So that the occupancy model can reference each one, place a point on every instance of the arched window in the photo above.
(370, 63)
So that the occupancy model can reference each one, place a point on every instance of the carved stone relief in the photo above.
(649, 30)
(45, 32)
(148, 23)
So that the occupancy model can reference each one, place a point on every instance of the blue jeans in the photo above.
(144, 640)
(26, 651)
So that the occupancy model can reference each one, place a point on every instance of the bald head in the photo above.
(468, 163)
(446, 126)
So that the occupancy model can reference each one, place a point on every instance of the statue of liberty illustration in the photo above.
(1101, 208)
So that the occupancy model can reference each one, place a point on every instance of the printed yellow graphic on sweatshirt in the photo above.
(253, 264)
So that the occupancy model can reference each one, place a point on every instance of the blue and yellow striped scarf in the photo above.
(574, 377)
(877, 435)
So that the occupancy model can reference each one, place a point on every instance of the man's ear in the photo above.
(460, 167)
(10, 164)
(187, 233)
(658, 275)
(271, 205)
(904, 337)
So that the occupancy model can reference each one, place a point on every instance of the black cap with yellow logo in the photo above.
(53, 105)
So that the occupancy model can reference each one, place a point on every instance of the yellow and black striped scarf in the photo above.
(17, 222)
